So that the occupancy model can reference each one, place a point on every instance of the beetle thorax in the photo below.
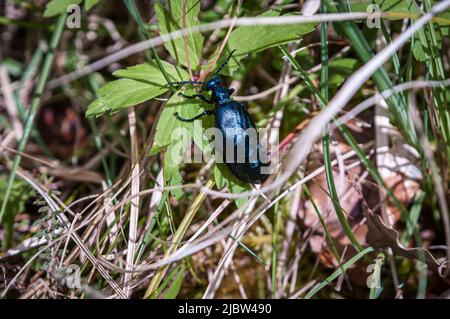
(220, 95)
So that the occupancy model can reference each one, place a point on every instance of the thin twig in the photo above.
(154, 42)
(134, 209)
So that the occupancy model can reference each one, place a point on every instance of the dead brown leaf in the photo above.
(381, 236)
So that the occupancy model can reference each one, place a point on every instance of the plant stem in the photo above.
(177, 239)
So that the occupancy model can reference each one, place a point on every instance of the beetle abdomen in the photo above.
(240, 145)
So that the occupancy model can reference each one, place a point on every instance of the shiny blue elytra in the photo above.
(233, 120)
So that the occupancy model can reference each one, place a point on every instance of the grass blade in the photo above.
(338, 272)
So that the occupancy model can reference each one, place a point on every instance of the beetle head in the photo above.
(213, 83)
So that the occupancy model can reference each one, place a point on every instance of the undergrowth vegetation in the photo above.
(97, 197)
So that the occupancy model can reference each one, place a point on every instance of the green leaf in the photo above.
(251, 39)
(420, 46)
(170, 130)
(359, 6)
(167, 123)
(175, 286)
(218, 177)
(172, 174)
(192, 12)
(138, 84)
(176, 136)
(224, 177)
(55, 7)
(393, 6)
(175, 272)
(88, 4)
(443, 19)
(149, 72)
(340, 70)
(172, 21)
(403, 6)
(123, 93)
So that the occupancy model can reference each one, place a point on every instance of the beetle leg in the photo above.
(206, 112)
(200, 96)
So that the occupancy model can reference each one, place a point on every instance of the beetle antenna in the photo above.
(185, 82)
(224, 63)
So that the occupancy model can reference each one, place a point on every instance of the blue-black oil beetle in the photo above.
(248, 161)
